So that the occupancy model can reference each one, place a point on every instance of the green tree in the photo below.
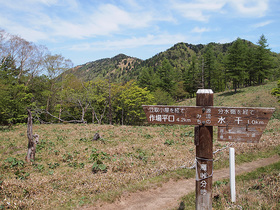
(149, 79)
(209, 68)
(250, 63)
(276, 91)
(263, 60)
(166, 75)
(236, 63)
(162, 98)
(40, 89)
(14, 97)
(75, 94)
(219, 74)
(191, 78)
(130, 101)
(98, 98)
(179, 92)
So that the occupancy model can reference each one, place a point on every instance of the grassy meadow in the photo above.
(71, 170)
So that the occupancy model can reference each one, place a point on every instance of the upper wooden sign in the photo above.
(239, 124)
(208, 116)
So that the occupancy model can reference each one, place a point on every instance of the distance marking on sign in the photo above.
(249, 134)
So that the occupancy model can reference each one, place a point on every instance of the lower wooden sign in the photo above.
(247, 134)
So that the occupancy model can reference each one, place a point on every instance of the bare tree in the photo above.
(55, 66)
(27, 56)
(4, 52)
(36, 62)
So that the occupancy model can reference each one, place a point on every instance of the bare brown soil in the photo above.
(168, 196)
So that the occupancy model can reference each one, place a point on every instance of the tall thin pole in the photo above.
(232, 174)
(204, 153)
(110, 103)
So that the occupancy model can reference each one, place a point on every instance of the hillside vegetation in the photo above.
(183, 68)
(70, 170)
(118, 67)
(257, 96)
(113, 90)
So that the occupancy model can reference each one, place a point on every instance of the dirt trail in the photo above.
(167, 196)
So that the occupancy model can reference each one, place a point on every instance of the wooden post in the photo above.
(204, 154)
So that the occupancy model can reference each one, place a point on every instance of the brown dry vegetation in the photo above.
(136, 157)
(62, 176)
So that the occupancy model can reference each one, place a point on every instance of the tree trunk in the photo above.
(202, 73)
(60, 111)
(92, 116)
(122, 116)
(31, 142)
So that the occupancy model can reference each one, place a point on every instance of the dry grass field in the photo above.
(71, 170)
(258, 190)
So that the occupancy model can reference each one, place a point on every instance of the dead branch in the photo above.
(218, 150)
(39, 112)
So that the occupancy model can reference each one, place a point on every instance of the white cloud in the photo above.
(203, 10)
(200, 30)
(134, 42)
(250, 8)
(262, 24)
(81, 22)
(133, 4)
(225, 40)
(58, 20)
(197, 10)
(46, 2)
(106, 20)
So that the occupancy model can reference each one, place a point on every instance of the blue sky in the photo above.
(87, 30)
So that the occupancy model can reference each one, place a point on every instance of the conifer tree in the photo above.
(236, 63)
(191, 79)
(166, 75)
(209, 68)
(263, 60)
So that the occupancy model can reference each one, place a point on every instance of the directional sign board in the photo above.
(251, 134)
(172, 114)
(209, 116)
(239, 124)
(243, 124)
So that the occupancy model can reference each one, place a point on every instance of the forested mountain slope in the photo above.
(182, 69)
(119, 67)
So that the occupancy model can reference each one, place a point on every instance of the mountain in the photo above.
(123, 68)
(119, 67)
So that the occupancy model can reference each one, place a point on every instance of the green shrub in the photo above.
(99, 166)
(169, 142)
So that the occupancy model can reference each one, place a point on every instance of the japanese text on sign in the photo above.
(209, 116)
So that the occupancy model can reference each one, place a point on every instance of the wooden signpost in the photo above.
(238, 124)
